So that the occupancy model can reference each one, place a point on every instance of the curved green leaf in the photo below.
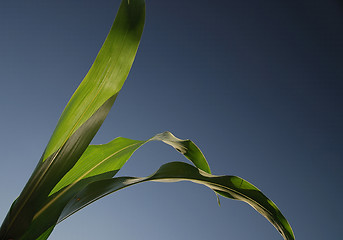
(110, 157)
(46, 234)
(82, 117)
(47, 174)
(48, 218)
(187, 148)
(82, 188)
(229, 186)
(102, 162)
(107, 74)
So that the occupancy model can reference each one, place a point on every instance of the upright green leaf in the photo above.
(82, 117)
(107, 74)
(71, 175)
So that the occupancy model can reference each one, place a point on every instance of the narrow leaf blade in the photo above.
(73, 133)
(102, 162)
(107, 74)
(229, 186)
(110, 157)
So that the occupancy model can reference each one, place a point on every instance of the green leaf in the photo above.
(107, 74)
(110, 157)
(229, 186)
(46, 234)
(82, 117)
(47, 174)
(71, 175)
(48, 218)
(103, 162)
(87, 183)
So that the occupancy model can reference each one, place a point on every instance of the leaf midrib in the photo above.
(79, 179)
(59, 150)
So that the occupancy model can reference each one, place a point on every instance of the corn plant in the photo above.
(72, 173)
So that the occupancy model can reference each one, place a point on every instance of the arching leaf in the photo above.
(228, 186)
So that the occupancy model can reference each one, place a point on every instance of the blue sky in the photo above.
(257, 85)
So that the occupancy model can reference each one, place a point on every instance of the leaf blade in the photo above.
(235, 187)
(98, 159)
(47, 174)
(107, 74)
(100, 86)
(85, 171)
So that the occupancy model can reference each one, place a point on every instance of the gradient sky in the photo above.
(257, 85)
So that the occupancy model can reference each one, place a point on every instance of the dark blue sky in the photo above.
(256, 84)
